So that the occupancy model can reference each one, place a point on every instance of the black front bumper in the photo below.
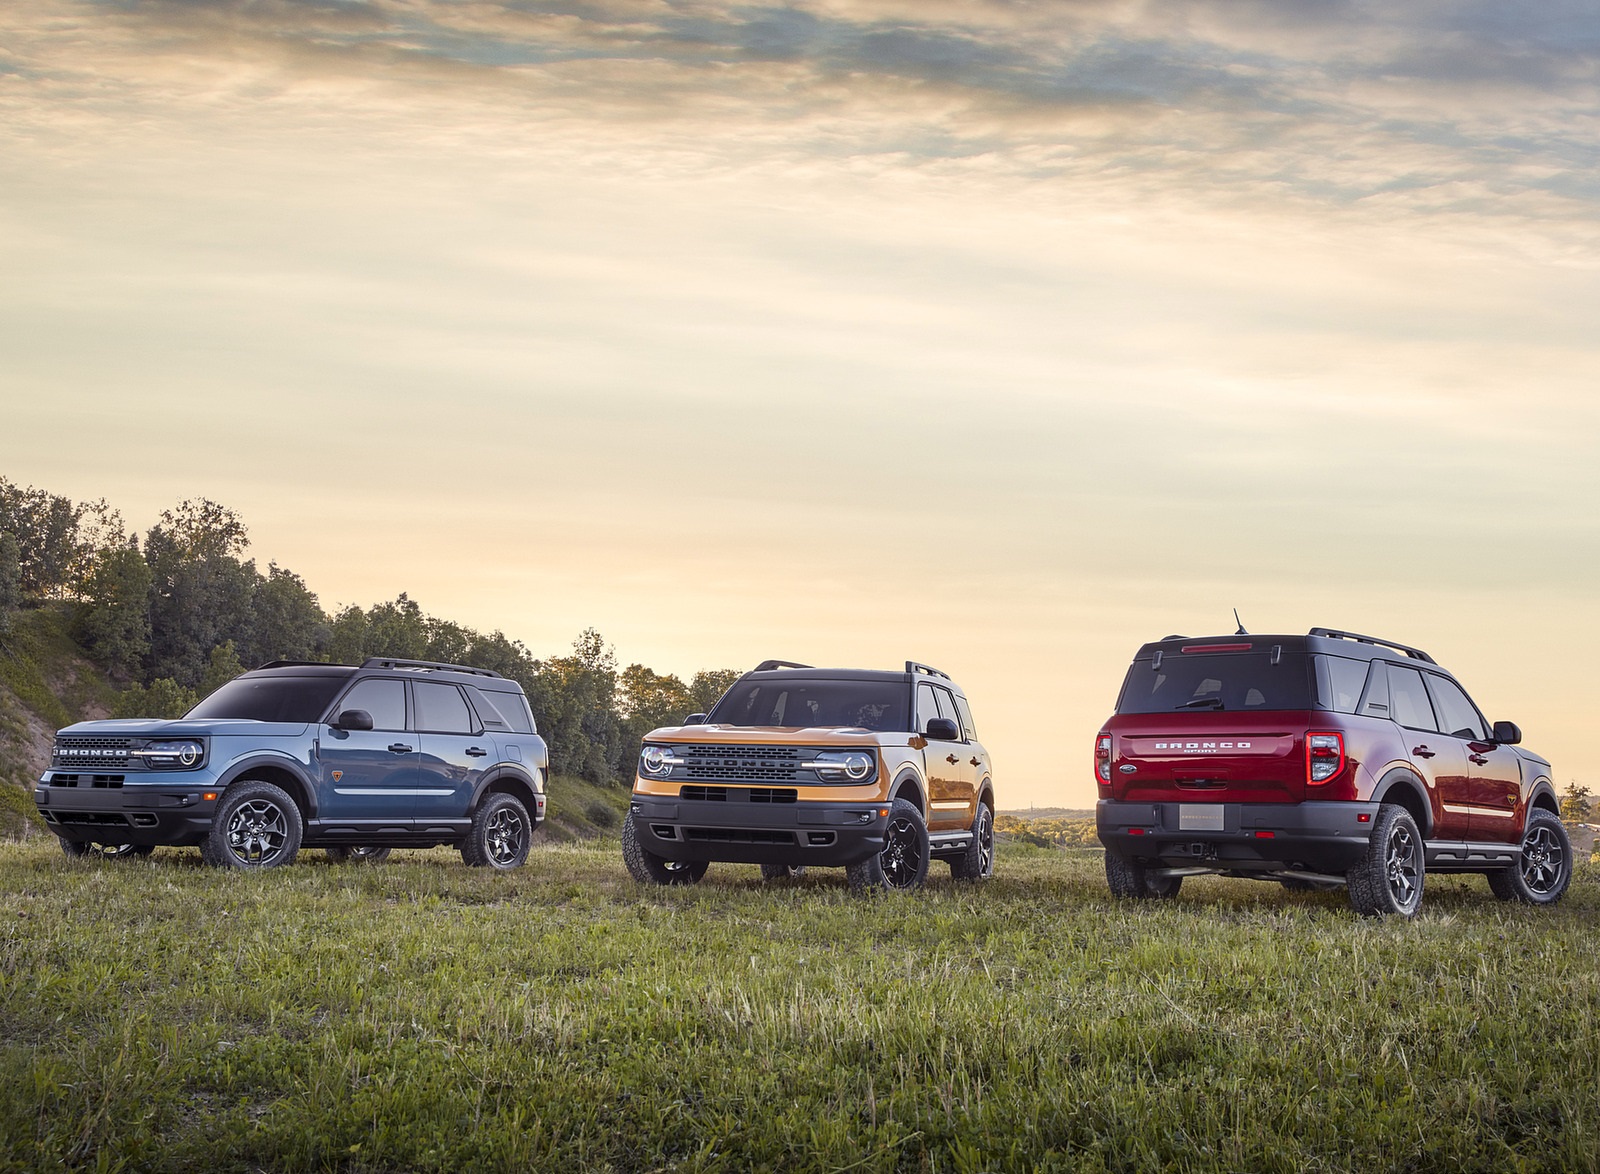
(144, 815)
(740, 832)
(1246, 837)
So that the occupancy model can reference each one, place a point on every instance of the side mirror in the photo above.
(695, 719)
(353, 719)
(942, 729)
(1507, 733)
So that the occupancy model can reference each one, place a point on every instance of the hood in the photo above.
(144, 727)
(772, 735)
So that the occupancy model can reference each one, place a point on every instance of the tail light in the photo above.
(1324, 756)
(1102, 758)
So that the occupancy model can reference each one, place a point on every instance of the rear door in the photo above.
(452, 753)
(1441, 757)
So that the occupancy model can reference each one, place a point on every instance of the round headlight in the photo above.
(188, 753)
(654, 760)
(857, 766)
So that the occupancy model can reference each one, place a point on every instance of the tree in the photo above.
(647, 699)
(1576, 803)
(200, 594)
(113, 621)
(221, 667)
(573, 699)
(10, 580)
(162, 698)
(45, 528)
(287, 621)
(707, 687)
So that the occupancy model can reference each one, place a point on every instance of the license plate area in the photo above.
(1201, 817)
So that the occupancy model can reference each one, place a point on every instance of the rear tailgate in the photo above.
(1209, 757)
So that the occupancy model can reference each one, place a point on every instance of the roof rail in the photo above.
(387, 662)
(1335, 634)
(925, 669)
(297, 664)
(769, 665)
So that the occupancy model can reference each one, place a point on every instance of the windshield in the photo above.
(871, 705)
(271, 699)
(1226, 680)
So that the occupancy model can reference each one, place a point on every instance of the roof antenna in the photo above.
(1237, 620)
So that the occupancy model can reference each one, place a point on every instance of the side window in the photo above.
(1340, 682)
(947, 708)
(1457, 714)
(514, 708)
(968, 730)
(441, 709)
(1408, 700)
(927, 707)
(488, 712)
(384, 700)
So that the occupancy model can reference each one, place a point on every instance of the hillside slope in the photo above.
(45, 683)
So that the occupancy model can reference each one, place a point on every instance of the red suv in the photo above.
(1318, 760)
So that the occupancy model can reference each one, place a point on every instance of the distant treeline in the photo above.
(181, 611)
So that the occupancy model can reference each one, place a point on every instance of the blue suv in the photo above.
(358, 761)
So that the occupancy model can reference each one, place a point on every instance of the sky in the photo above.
(1001, 336)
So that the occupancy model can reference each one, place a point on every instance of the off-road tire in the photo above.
(256, 825)
(1132, 882)
(500, 836)
(649, 869)
(903, 864)
(778, 872)
(1388, 880)
(78, 849)
(357, 854)
(1543, 870)
(977, 862)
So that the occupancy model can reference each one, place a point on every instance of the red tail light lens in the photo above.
(1102, 758)
(1324, 756)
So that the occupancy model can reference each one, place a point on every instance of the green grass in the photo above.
(424, 1016)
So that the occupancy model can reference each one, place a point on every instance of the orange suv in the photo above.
(875, 772)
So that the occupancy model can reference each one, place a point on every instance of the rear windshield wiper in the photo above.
(1213, 702)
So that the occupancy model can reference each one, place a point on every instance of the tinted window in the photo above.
(488, 712)
(513, 707)
(384, 700)
(968, 730)
(1457, 714)
(872, 705)
(1340, 682)
(1375, 703)
(271, 699)
(1408, 700)
(1227, 680)
(441, 709)
(928, 707)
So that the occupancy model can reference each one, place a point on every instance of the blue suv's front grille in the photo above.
(93, 751)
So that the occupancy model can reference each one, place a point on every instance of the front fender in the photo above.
(273, 760)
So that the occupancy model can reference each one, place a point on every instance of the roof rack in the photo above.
(1335, 634)
(925, 669)
(297, 664)
(386, 662)
(769, 665)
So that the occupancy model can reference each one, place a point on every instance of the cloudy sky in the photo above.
(999, 335)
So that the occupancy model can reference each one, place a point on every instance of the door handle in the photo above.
(1478, 758)
(977, 762)
(952, 760)
(1422, 751)
(474, 752)
(399, 748)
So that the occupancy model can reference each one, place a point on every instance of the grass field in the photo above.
(423, 1016)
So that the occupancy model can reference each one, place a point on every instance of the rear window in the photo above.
(1248, 681)
(871, 705)
(271, 699)
(510, 707)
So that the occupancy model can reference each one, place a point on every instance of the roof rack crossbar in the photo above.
(389, 662)
(768, 665)
(926, 670)
(295, 664)
(1336, 634)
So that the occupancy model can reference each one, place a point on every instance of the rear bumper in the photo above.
(167, 811)
(1247, 837)
(740, 832)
